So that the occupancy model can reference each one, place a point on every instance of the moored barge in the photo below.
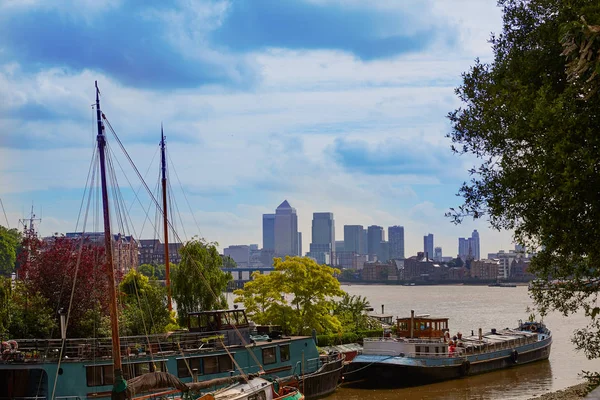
(423, 352)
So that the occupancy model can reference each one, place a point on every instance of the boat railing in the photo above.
(402, 340)
(40, 350)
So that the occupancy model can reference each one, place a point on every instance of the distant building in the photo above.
(484, 269)
(354, 239)
(365, 242)
(239, 253)
(428, 245)
(437, 254)
(505, 261)
(323, 236)
(300, 243)
(125, 249)
(321, 257)
(287, 239)
(268, 231)
(396, 240)
(384, 251)
(339, 246)
(475, 245)
(379, 272)
(374, 238)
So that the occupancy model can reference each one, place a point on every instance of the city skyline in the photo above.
(349, 121)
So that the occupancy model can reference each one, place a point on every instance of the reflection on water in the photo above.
(514, 383)
(471, 307)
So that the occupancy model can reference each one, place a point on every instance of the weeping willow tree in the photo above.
(198, 282)
(532, 118)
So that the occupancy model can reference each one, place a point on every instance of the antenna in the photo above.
(28, 224)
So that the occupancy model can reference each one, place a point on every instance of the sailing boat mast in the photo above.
(119, 383)
(165, 220)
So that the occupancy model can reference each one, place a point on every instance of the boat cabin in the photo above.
(217, 320)
(421, 326)
(231, 324)
(384, 319)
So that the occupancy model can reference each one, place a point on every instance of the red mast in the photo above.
(165, 220)
(119, 383)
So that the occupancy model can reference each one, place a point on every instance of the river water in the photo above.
(469, 308)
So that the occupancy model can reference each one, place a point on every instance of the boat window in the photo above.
(258, 396)
(193, 321)
(203, 320)
(418, 350)
(212, 322)
(182, 367)
(437, 350)
(269, 356)
(108, 376)
(211, 365)
(284, 352)
(94, 376)
(224, 319)
(225, 363)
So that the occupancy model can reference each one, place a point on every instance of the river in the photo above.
(468, 308)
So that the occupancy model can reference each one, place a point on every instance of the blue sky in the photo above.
(333, 105)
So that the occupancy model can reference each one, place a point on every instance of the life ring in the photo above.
(533, 328)
(514, 356)
(465, 367)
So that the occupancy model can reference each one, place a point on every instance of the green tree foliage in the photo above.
(146, 270)
(24, 313)
(198, 281)
(144, 304)
(10, 240)
(351, 312)
(229, 262)
(532, 119)
(311, 288)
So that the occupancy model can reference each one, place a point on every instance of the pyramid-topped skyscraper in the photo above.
(286, 231)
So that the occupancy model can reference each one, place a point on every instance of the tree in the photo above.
(24, 314)
(49, 268)
(198, 281)
(146, 270)
(531, 118)
(10, 240)
(350, 310)
(144, 305)
(311, 287)
(229, 262)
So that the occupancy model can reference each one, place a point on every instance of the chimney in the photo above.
(412, 323)
(382, 308)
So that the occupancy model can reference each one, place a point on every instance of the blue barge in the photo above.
(217, 344)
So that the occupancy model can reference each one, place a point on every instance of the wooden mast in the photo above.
(119, 383)
(165, 220)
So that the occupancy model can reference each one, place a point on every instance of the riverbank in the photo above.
(570, 393)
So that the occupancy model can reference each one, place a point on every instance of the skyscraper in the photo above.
(374, 239)
(396, 239)
(354, 239)
(287, 239)
(428, 245)
(475, 245)
(437, 254)
(300, 244)
(268, 231)
(463, 248)
(365, 243)
(323, 229)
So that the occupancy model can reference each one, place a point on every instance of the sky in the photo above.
(335, 105)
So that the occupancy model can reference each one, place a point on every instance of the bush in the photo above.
(347, 337)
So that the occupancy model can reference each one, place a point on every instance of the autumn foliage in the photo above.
(50, 268)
